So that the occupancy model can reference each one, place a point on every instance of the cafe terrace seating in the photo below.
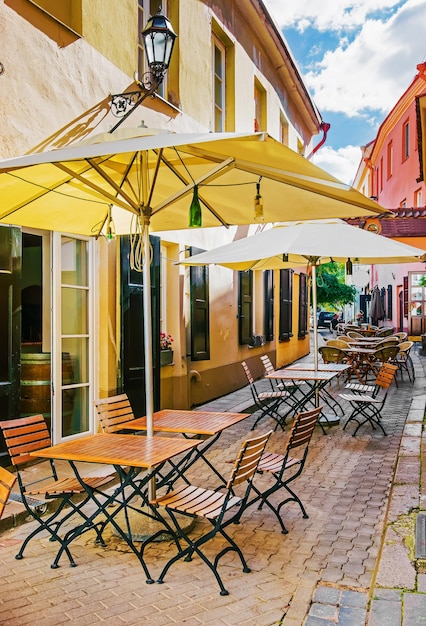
(267, 402)
(29, 434)
(192, 501)
(367, 408)
(331, 354)
(285, 468)
(7, 480)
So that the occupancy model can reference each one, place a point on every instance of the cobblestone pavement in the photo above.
(346, 564)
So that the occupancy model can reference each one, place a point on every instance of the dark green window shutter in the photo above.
(268, 278)
(200, 311)
(245, 307)
(303, 305)
(286, 305)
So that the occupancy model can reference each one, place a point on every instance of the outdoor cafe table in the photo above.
(130, 456)
(317, 380)
(207, 425)
(362, 360)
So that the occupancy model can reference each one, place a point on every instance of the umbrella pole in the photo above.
(314, 306)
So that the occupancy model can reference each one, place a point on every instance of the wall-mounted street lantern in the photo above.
(159, 38)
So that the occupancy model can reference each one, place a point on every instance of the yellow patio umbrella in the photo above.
(141, 180)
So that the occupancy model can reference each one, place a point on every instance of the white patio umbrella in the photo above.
(144, 180)
(312, 242)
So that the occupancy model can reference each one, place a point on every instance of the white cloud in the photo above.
(327, 14)
(342, 163)
(370, 73)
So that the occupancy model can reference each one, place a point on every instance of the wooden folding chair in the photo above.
(114, 412)
(286, 468)
(285, 385)
(266, 401)
(7, 480)
(192, 501)
(367, 408)
(29, 434)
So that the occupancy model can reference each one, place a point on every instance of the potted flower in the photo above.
(166, 351)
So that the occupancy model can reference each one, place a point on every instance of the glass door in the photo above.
(72, 344)
(417, 303)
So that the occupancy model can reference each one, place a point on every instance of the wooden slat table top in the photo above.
(361, 350)
(289, 374)
(322, 367)
(113, 449)
(190, 422)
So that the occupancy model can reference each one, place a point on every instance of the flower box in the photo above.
(166, 357)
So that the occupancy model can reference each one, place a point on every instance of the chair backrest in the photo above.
(25, 435)
(332, 355)
(353, 334)
(405, 346)
(267, 364)
(248, 373)
(388, 353)
(302, 429)
(247, 460)
(7, 480)
(345, 338)
(336, 343)
(386, 375)
(385, 331)
(114, 412)
(401, 336)
(387, 341)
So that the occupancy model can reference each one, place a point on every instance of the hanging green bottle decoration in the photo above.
(195, 218)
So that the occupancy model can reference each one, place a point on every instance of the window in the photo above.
(245, 307)
(147, 8)
(259, 107)
(418, 198)
(218, 85)
(403, 204)
(389, 169)
(268, 284)
(286, 305)
(405, 141)
(381, 175)
(303, 306)
(283, 130)
(200, 312)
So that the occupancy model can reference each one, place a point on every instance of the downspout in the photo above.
(325, 127)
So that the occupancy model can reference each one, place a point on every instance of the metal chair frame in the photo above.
(29, 434)
(286, 468)
(192, 501)
(368, 408)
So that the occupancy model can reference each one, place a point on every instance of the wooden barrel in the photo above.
(36, 383)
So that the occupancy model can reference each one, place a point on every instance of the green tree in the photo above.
(332, 292)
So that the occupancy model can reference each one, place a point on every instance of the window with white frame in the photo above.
(418, 198)
(219, 84)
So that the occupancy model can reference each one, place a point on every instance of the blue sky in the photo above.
(356, 59)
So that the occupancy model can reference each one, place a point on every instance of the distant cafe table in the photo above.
(362, 359)
(205, 425)
(136, 461)
(317, 380)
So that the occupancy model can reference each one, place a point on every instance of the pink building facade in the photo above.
(392, 171)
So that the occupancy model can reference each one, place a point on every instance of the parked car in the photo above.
(324, 319)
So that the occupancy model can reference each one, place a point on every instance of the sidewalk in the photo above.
(351, 563)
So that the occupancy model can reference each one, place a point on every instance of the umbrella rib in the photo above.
(212, 175)
(191, 186)
(113, 184)
(99, 190)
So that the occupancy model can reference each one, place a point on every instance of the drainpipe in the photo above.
(325, 127)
